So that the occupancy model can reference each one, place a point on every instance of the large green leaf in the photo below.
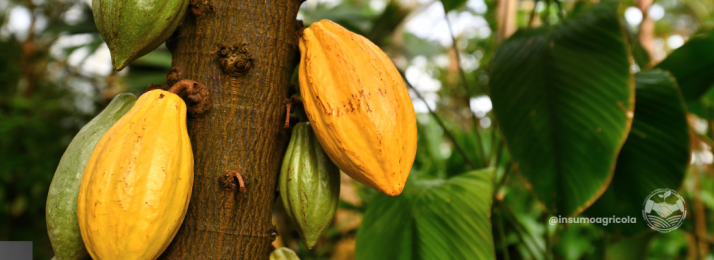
(655, 155)
(693, 66)
(563, 96)
(431, 219)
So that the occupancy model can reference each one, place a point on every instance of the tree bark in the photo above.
(243, 131)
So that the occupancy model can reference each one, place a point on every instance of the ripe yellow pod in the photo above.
(358, 106)
(137, 185)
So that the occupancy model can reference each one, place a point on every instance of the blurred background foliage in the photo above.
(55, 74)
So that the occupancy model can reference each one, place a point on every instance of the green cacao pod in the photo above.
(309, 185)
(62, 225)
(283, 253)
(133, 28)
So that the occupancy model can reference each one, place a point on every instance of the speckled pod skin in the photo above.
(358, 105)
(283, 253)
(61, 210)
(309, 185)
(137, 185)
(133, 28)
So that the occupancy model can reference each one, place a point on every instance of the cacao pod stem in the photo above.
(288, 105)
(241, 184)
(295, 103)
(198, 96)
(227, 182)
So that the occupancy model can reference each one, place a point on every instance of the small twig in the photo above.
(299, 108)
(503, 178)
(458, 57)
(492, 151)
(288, 105)
(438, 120)
(468, 90)
(496, 163)
(241, 184)
(499, 152)
(481, 145)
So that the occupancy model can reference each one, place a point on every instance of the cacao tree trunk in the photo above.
(244, 52)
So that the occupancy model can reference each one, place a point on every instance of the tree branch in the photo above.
(467, 100)
(438, 120)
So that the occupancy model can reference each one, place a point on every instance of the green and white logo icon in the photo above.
(664, 210)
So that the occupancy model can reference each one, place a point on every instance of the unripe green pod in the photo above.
(61, 211)
(309, 185)
(133, 28)
(283, 253)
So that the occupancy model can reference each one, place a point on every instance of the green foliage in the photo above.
(34, 133)
(563, 97)
(431, 219)
(9, 71)
(672, 245)
(439, 158)
(630, 248)
(578, 242)
(655, 155)
(692, 65)
(429, 158)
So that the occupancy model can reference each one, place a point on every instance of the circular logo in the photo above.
(664, 210)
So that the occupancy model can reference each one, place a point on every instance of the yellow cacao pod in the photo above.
(137, 184)
(358, 106)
